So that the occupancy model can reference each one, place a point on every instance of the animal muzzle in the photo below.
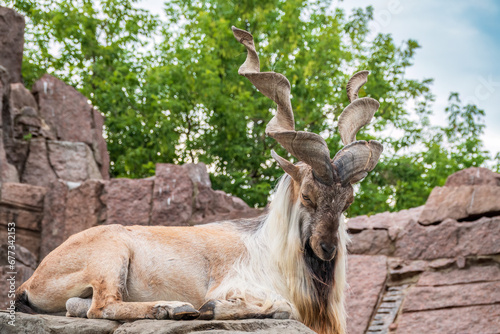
(329, 250)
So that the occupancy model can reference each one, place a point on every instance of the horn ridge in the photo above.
(305, 146)
(358, 157)
(354, 161)
(355, 83)
(356, 115)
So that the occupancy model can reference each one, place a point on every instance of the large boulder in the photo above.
(99, 145)
(11, 42)
(473, 176)
(84, 207)
(8, 172)
(37, 169)
(54, 217)
(21, 208)
(467, 195)
(172, 196)
(72, 161)
(66, 116)
(64, 109)
(128, 202)
(450, 239)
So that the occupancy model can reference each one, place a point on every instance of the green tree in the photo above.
(301, 39)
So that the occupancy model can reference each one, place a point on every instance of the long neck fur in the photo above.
(314, 286)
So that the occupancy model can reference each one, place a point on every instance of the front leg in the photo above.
(240, 308)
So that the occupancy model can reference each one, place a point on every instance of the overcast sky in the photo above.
(460, 49)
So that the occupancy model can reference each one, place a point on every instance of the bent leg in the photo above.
(109, 291)
(240, 308)
(160, 310)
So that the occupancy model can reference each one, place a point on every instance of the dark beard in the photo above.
(322, 273)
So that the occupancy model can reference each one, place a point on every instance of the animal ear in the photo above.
(287, 166)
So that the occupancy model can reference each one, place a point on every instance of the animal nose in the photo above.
(328, 248)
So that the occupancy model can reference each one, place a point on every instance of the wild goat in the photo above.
(289, 263)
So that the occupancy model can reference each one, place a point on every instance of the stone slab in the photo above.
(129, 201)
(460, 202)
(22, 195)
(65, 110)
(473, 176)
(37, 170)
(54, 217)
(460, 276)
(366, 276)
(29, 220)
(72, 161)
(464, 320)
(370, 242)
(266, 326)
(44, 324)
(84, 208)
(450, 239)
(422, 298)
(172, 196)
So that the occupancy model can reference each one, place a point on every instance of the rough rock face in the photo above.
(42, 324)
(20, 205)
(58, 135)
(49, 133)
(11, 42)
(64, 109)
(441, 278)
(466, 195)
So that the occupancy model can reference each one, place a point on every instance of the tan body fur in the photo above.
(162, 263)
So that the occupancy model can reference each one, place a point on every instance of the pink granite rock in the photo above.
(172, 196)
(460, 276)
(424, 298)
(366, 276)
(19, 98)
(72, 161)
(11, 42)
(370, 242)
(84, 208)
(99, 145)
(64, 109)
(54, 217)
(470, 320)
(446, 202)
(8, 172)
(22, 196)
(473, 176)
(449, 239)
(128, 201)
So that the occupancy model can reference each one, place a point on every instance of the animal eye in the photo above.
(306, 198)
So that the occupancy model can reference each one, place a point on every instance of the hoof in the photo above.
(185, 312)
(207, 311)
(174, 311)
(281, 315)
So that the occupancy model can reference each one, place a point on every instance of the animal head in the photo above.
(321, 184)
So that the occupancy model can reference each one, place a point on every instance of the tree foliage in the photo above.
(171, 92)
